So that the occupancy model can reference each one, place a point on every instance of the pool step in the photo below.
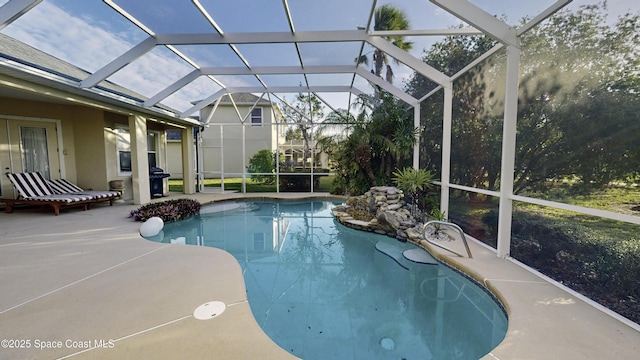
(419, 256)
(405, 257)
(393, 252)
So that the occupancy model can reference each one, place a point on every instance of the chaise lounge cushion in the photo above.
(33, 189)
(33, 186)
(66, 187)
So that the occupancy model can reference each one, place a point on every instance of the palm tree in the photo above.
(378, 143)
(388, 17)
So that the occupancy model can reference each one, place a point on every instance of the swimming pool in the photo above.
(324, 291)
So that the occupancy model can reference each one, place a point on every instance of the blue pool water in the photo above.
(323, 291)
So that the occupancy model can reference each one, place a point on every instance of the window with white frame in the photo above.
(152, 149)
(256, 117)
(123, 145)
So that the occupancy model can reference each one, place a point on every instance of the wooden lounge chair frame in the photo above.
(33, 189)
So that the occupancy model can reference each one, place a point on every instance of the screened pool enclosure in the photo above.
(181, 62)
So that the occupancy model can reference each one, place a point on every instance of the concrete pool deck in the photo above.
(86, 285)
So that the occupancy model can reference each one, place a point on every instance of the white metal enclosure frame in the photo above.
(479, 21)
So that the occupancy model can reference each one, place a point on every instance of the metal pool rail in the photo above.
(464, 239)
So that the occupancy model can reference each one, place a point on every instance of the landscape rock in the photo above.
(380, 210)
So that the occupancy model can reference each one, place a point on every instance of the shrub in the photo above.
(300, 180)
(168, 211)
(262, 162)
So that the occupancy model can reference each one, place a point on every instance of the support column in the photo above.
(244, 158)
(507, 167)
(447, 120)
(188, 161)
(199, 162)
(416, 147)
(139, 160)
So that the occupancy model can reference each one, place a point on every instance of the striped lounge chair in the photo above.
(66, 187)
(33, 189)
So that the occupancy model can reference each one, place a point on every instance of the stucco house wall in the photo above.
(79, 124)
(16, 112)
(85, 153)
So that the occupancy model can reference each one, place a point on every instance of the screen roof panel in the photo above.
(183, 98)
(269, 54)
(167, 16)
(157, 68)
(247, 15)
(235, 81)
(284, 80)
(423, 14)
(329, 14)
(330, 79)
(513, 14)
(211, 55)
(325, 53)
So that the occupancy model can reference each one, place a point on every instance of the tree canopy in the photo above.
(578, 104)
(302, 114)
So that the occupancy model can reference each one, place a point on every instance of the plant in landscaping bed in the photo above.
(414, 183)
(168, 211)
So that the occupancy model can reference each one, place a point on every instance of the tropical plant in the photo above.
(436, 214)
(377, 143)
(388, 17)
(412, 180)
(414, 183)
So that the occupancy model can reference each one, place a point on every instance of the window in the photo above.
(152, 149)
(256, 117)
(35, 154)
(123, 145)
(174, 135)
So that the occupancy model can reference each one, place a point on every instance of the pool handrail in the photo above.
(464, 239)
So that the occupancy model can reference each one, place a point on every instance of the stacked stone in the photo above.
(389, 214)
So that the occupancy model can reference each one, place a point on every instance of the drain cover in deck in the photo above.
(209, 310)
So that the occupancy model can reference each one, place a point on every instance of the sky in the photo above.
(90, 34)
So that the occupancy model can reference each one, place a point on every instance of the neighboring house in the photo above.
(292, 151)
(48, 123)
(244, 120)
(249, 120)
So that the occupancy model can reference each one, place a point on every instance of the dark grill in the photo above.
(156, 176)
